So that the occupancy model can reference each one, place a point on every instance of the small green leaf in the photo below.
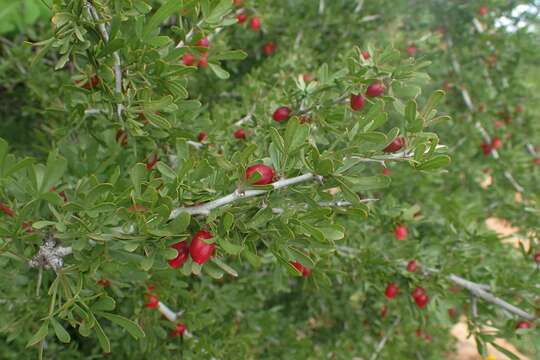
(43, 223)
(230, 55)
(229, 247)
(130, 326)
(138, 174)
(219, 71)
(229, 270)
(40, 334)
(166, 170)
(166, 10)
(102, 338)
(435, 162)
(60, 332)
(218, 12)
(433, 101)
(180, 223)
(105, 303)
(157, 120)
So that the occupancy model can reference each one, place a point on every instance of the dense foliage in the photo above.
(207, 179)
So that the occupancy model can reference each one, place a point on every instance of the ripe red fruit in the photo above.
(255, 23)
(90, 84)
(421, 300)
(6, 210)
(365, 54)
(536, 161)
(204, 42)
(496, 143)
(375, 89)
(137, 208)
(391, 291)
(486, 148)
(239, 134)
(203, 62)
(400, 232)
(498, 123)
(152, 301)
(417, 292)
(282, 113)
(182, 254)
(201, 136)
(241, 18)
(452, 313)
(238, 3)
(411, 50)
(357, 102)
(104, 283)
(266, 174)
(188, 59)
(308, 77)
(386, 171)
(151, 287)
(121, 137)
(152, 162)
(483, 10)
(301, 268)
(519, 108)
(27, 226)
(179, 330)
(395, 145)
(411, 266)
(537, 257)
(269, 48)
(200, 250)
(523, 325)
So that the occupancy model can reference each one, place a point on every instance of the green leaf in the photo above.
(3, 154)
(60, 332)
(253, 259)
(166, 10)
(277, 139)
(229, 270)
(218, 12)
(180, 223)
(229, 247)
(158, 120)
(166, 170)
(505, 351)
(435, 162)
(295, 135)
(334, 232)
(138, 174)
(230, 55)
(433, 101)
(40, 334)
(369, 183)
(105, 303)
(43, 223)
(56, 166)
(102, 338)
(219, 71)
(131, 326)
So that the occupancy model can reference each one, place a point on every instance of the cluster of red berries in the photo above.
(419, 295)
(189, 59)
(199, 249)
(495, 144)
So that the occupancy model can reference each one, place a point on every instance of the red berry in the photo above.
(523, 325)
(201, 136)
(121, 137)
(137, 208)
(357, 102)
(255, 23)
(152, 162)
(400, 232)
(395, 145)
(498, 124)
(203, 62)
(179, 330)
(496, 143)
(365, 54)
(241, 18)
(411, 266)
(6, 210)
(483, 10)
(452, 313)
(240, 134)
(91, 83)
(182, 254)
(200, 250)
(308, 77)
(204, 42)
(266, 174)
(486, 148)
(391, 291)
(417, 292)
(421, 300)
(519, 108)
(27, 226)
(282, 113)
(301, 268)
(151, 287)
(238, 3)
(269, 48)
(418, 332)
(537, 257)
(375, 89)
(152, 301)
(188, 59)
(411, 50)
(104, 283)
(536, 161)
(386, 171)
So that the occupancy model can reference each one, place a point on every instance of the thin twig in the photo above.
(205, 209)
(383, 341)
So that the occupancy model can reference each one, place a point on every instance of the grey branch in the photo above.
(93, 14)
(205, 209)
(383, 341)
(50, 255)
